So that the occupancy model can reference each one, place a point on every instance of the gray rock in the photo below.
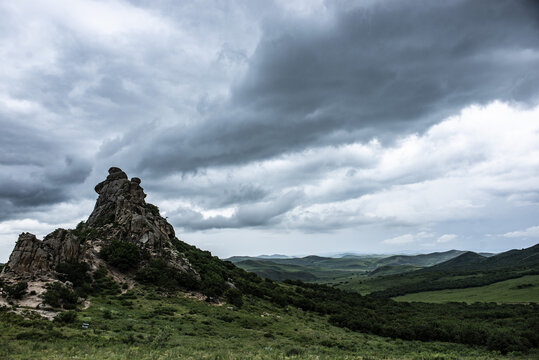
(120, 213)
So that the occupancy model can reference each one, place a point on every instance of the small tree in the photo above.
(121, 254)
(16, 291)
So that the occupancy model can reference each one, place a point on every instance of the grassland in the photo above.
(144, 324)
(520, 290)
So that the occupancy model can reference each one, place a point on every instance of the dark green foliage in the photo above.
(67, 317)
(34, 335)
(75, 272)
(103, 283)
(17, 290)
(84, 232)
(58, 296)
(234, 297)
(294, 351)
(213, 271)
(157, 273)
(152, 209)
(464, 271)
(121, 254)
(107, 314)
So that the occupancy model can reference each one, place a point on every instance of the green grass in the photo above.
(150, 325)
(508, 291)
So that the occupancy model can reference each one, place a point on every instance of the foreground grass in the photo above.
(521, 290)
(147, 325)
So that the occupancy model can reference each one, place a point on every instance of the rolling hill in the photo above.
(329, 269)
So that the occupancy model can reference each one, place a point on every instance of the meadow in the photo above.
(521, 290)
(147, 324)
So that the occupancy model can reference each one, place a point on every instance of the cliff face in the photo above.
(120, 213)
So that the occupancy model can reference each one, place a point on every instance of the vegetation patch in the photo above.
(121, 254)
(58, 295)
(17, 290)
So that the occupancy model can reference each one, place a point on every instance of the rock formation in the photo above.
(120, 213)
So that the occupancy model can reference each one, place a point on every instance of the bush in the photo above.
(158, 273)
(103, 283)
(84, 233)
(67, 317)
(75, 272)
(58, 295)
(16, 291)
(233, 296)
(121, 254)
(152, 209)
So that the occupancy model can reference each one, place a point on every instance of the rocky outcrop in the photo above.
(38, 257)
(120, 213)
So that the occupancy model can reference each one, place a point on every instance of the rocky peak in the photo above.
(116, 195)
(120, 213)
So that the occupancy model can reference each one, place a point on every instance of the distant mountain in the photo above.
(471, 261)
(393, 269)
(274, 256)
(469, 269)
(464, 260)
(323, 268)
(421, 259)
(277, 272)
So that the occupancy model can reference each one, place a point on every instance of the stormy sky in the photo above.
(295, 127)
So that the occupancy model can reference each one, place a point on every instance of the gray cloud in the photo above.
(251, 215)
(391, 68)
(246, 109)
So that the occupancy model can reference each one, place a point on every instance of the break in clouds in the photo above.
(299, 126)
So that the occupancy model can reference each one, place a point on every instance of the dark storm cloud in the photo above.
(249, 215)
(36, 170)
(385, 69)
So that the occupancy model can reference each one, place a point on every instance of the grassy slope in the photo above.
(464, 271)
(149, 325)
(500, 292)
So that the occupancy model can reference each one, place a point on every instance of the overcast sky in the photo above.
(295, 127)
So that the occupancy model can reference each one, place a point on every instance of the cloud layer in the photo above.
(387, 119)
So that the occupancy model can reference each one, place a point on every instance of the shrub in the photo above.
(233, 296)
(58, 295)
(107, 314)
(83, 232)
(121, 254)
(16, 291)
(73, 271)
(103, 283)
(67, 317)
(152, 209)
(158, 273)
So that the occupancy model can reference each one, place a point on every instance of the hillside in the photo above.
(464, 261)
(333, 270)
(467, 270)
(126, 274)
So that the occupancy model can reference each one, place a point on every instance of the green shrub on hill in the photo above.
(158, 273)
(60, 296)
(73, 271)
(121, 254)
(17, 290)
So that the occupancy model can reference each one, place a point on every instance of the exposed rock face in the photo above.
(120, 213)
(33, 256)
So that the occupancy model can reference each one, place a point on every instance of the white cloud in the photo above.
(408, 238)
(532, 232)
(456, 170)
(446, 238)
